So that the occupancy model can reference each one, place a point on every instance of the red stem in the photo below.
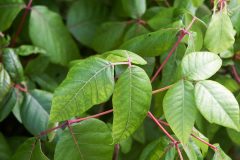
(161, 127)
(182, 34)
(167, 134)
(116, 151)
(235, 74)
(20, 27)
(93, 116)
(198, 138)
(210, 145)
(69, 122)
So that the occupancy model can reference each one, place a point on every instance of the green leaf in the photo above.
(180, 109)
(5, 150)
(192, 150)
(7, 104)
(152, 44)
(131, 8)
(155, 150)
(93, 141)
(47, 31)
(29, 150)
(163, 18)
(5, 83)
(131, 102)
(88, 83)
(135, 30)
(217, 104)
(84, 17)
(9, 9)
(17, 108)
(13, 65)
(126, 145)
(220, 33)
(123, 56)
(220, 155)
(202, 146)
(200, 65)
(35, 110)
(234, 136)
(108, 36)
(26, 50)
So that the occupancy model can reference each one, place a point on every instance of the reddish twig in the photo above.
(235, 74)
(175, 142)
(69, 122)
(116, 152)
(93, 116)
(20, 88)
(161, 89)
(205, 142)
(181, 36)
(198, 138)
(20, 27)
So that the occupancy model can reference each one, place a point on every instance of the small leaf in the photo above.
(217, 104)
(131, 8)
(35, 110)
(88, 83)
(152, 44)
(7, 104)
(93, 141)
(180, 109)
(131, 102)
(220, 155)
(200, 65)
(5, 83)
(9, 10)
(13, 65)
(26, 50)
(123, 56)
(220, 33)
(234, 136)
(29, 150)
(47, 31)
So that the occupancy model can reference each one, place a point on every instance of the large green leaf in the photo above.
(108, 36)
(5, 83)
(5, 150)
(200, 65)
(9, 9)
(131, 102)
(220, 33)
(123, 56)
(47, 31)
(35, 110)
(7, 104)
(93, 141)
(29, 150)
(180, 109)
(13, 65)
(84, 17)
(152, 44)
(89, 82)
(217, 104)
